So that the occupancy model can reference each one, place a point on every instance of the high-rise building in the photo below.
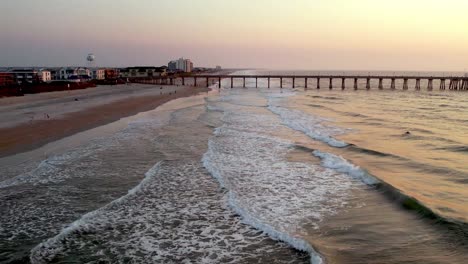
(172, 65)
(188, 66)
(181, 64)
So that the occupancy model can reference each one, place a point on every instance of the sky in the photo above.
(422, 35)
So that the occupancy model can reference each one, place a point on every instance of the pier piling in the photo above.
(465, 85)
(442, 84)
(429, 84)
(455, 82)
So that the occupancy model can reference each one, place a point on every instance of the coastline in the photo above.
(24, 135)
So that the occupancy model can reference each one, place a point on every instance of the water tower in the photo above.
(91, 60)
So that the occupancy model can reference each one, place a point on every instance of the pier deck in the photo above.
(445, 82)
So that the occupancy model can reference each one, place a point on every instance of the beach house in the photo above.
(76, 74)
(98, 74)
(143, 72)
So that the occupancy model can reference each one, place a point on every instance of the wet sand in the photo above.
(32, 121)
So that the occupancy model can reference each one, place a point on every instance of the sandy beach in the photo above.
(34, 120)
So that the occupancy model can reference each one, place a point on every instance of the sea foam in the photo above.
(269, 192)
(176, 214)
(47, 250)
(313, 126)
(340, 164)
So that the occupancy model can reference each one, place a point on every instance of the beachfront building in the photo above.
(7, 78)
(27, 75)
(30, 75)
(181, 64)
(45, 75)
(143, 72)
(111, 74)
(54, 73)
(172, 66)
(75, 74)
(188, 66)
(98, 74)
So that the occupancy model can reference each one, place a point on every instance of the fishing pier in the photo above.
(315, 81)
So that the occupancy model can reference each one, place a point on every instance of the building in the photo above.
(172, 65)
(74, 74)
(7, 78)
(98, 74)
(45, 75)
(111, 74)
(27, 75)
(181, 64)
(143, 72)
(54, 73)
(188, 66)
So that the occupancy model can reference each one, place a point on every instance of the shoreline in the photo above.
(31, 135)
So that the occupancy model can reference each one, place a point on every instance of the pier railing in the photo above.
(445, 82)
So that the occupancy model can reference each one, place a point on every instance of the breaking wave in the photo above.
(313, 126)
(269, 192)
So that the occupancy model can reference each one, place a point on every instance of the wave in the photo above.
(297, 243)
(46, 251)
(269, 192)
(250, 219)
(454, 174)
(371, 152)
(339, 164)
(459, 148)
(52, 169)
(317, 106)
(310, 125)
(55, 169)
(326, 97)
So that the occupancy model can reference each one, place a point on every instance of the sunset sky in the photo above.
(294, 34)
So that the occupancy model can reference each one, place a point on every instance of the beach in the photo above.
(33, 120)
(242, 175)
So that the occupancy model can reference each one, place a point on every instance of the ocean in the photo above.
(250, 175)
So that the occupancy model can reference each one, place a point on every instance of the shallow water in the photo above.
(370, 217)
(251, 176)
(140, 194)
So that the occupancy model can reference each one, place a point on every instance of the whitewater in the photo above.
(232, 176)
